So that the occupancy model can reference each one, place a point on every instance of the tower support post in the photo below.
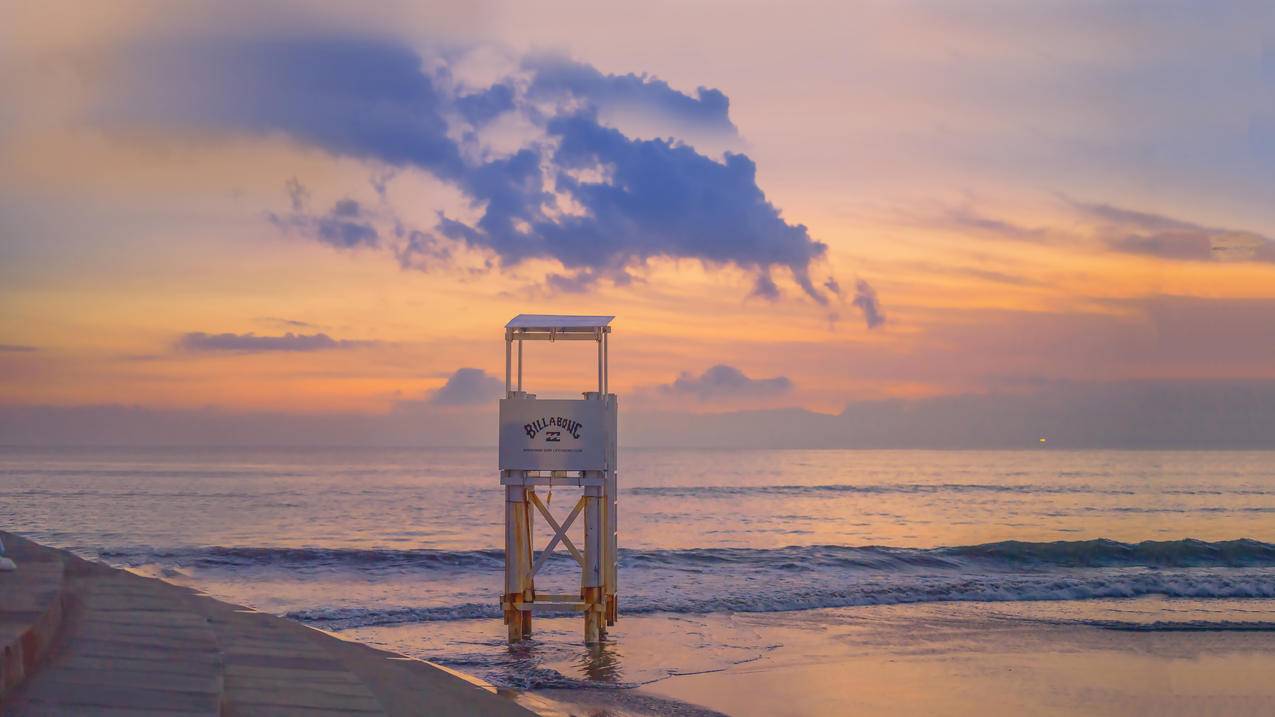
(519, 583)
(591, 574)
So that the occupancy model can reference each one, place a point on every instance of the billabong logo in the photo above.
(566, 424)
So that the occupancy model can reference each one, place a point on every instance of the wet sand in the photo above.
(1136, 657)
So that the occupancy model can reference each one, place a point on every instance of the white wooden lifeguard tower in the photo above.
(552, 443)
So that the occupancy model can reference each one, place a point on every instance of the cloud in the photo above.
(1221, 414)
(650, 198)
(289, 323)
(1135, 232)
(865, 298)
(17, 348)
(557, 77)
(482, 107)
(722, 382)
(468, 387)
(1232, 414)
(362, 97)
(583, 194)
(201, 342)
(968, 218)
(346, 225)
(298, 195)
(1120, 229)
(420, 250)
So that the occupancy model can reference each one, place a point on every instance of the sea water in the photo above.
(403, 547)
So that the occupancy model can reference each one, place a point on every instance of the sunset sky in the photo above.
(330, 211)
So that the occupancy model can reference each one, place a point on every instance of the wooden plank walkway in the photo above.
(133, 647)
(130, 645)
(30, 612)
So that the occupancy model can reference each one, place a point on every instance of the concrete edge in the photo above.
(358, 657)
(19, 658)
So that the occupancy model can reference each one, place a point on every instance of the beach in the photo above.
(639, 359)
(1056, 658)
(972, 659)
(752, 582)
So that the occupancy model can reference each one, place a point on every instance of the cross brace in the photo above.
(560, 532)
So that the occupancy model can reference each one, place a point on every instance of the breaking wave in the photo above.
(748, 580)
(1005, 555)
(305, 558)
(694, 491)
(1185, 625)
(783, 597)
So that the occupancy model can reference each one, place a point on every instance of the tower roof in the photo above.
(558, 322)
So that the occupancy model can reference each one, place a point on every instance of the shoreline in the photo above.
(961, 658)
(114, 640)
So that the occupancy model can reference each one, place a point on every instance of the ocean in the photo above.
(724, 553)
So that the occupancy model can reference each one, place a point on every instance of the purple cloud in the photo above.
(865, 299)
(383, 102)
(468, 387)
(723, 382)
(201, 342)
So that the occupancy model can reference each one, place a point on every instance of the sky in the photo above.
(875, 224)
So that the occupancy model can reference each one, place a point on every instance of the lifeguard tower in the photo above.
(553, 443)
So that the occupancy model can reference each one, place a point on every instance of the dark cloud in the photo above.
(356, 96)
(201, 342)
(577, 283)
(765, 287)
(653, 198)
(557, 77)
(629, 200)
(725, 382)
(346, 225)
(482, 107)
(17, 348)
(468, 387)
(1136, 232)
(865, 298)
(298, 195)
(420, 250)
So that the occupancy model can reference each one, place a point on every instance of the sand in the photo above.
(967, 659)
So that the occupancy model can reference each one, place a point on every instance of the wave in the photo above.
(1184, 625)
(216, 557)
(1006, 555)
(717, 580)
(1110, 553)
(723, 491)
(916, 589)
(910, 488)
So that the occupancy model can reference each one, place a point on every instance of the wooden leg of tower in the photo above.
(592, 615)
(529, 585)
(517, 546)
(604, 510)
(613, 546)
(591, 577)
(514, 620)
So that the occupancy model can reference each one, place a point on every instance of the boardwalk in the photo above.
(82, 638)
